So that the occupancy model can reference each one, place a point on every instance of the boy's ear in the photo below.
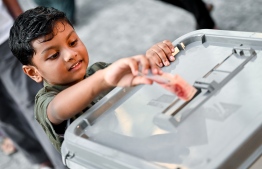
(33, 73)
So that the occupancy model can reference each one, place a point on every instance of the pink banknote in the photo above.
(175, 84)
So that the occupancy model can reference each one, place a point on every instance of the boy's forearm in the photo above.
(74, 99)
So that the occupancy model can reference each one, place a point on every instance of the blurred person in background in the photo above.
(67, 6)
(6, 144)
(17, 93)
(199, 9)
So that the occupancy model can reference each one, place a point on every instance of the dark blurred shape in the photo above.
(199, 9)
(67, 6)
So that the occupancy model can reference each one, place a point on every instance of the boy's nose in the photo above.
(70, 55)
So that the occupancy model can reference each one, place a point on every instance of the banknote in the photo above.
(175, 84)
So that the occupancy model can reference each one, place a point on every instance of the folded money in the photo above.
(175, 84)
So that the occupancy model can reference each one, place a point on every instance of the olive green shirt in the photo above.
(46, 95)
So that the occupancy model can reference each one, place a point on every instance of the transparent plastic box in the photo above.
(147, 127)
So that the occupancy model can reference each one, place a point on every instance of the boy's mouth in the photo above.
(75, 65)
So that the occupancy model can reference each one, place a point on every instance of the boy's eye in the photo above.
(73, 43)
(54, 56)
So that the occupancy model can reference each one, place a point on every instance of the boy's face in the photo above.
(60, 61)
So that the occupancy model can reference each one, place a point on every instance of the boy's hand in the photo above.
(161, 53)
(129, 71)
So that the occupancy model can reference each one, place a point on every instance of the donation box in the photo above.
(147, 127)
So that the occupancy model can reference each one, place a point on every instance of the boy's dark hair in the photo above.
(31, 25)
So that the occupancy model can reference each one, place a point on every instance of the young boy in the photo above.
(45, 42)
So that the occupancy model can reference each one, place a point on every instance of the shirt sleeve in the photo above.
(41, 103)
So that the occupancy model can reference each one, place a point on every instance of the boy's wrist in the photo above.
(104, 82)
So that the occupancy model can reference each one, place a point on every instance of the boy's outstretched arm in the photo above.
(161, 53)
(123, 72)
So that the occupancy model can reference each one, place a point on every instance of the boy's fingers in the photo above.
(143, 63)
(133, 64)
(155, 69)
(170, 45)
(155, 59)
(146, 64)
(168, 52)
(171, 48)
(160, 53)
